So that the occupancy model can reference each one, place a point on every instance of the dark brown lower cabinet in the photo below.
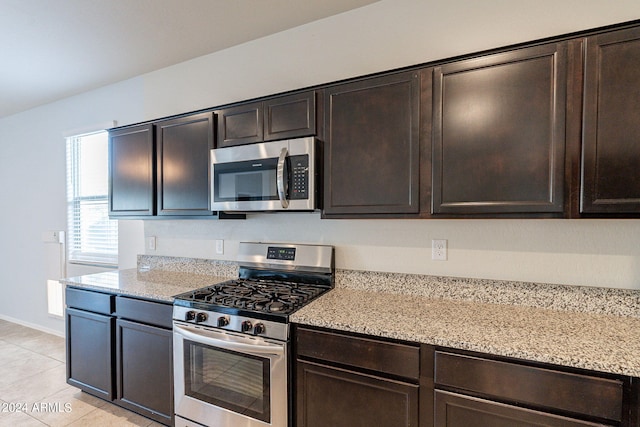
(471, 389)
(90, 362)
(457, 410)
(121, 350)
(144, 369)
(353, 381)
(336, 397)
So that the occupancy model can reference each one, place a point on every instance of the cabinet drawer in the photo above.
(154, 313)
(540, 387)
(376, 355)
(97, 302)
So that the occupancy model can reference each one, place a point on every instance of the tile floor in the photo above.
(34, 392)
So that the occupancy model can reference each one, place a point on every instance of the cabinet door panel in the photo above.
(611, 138)
(454, 410)
(131, 172)
(290, 116)
(372, 153)
(183, 165)
(90, 363)
(145, 370)
(340, 398)
(499, 133)
(240, 125)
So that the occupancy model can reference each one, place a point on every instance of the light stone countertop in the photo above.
(590, 328)
(599, 342)
(157, 285)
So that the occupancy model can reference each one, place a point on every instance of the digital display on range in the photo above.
(285, 254)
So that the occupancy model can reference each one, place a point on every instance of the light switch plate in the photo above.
(219, 246)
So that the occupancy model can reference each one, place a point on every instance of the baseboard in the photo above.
(32, 326)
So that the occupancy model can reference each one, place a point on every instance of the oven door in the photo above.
(228, 379)
(271, 176)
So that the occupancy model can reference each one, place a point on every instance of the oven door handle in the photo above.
(209, 338)
(282, 194)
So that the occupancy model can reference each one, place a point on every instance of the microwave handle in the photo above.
(280, 178)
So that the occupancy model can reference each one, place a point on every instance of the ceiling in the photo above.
(52, 49)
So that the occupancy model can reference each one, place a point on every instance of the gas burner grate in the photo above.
(280, 297)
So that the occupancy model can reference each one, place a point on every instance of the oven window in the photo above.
(246, 181)
(228, 379)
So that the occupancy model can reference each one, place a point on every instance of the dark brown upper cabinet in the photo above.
(131, 172)
(281, 117)
(499, 133)
(372, 147)
(611, 126)
(183, 147)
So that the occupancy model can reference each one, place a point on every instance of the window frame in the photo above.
(78, 237)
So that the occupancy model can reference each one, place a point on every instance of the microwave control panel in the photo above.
(299, 188)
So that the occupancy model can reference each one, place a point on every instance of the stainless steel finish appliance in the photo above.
(271, 176)
(231, 340)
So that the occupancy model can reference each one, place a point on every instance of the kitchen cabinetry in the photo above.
(144, 358)
(131, 171)
(372, 147)
(611, 138)
(479, 391)
(499, 133)
(282, 117)
(90, 329)
(120, 349)
(162, 168)
(346, 381)
(183, 169)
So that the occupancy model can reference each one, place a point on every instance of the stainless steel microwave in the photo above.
(271, 176)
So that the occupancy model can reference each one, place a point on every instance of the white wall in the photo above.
(601, 253)
(384, 35)
(32, 172)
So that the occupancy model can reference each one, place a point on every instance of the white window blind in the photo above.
(92, 236)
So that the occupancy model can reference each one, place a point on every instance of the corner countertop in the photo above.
(599, 342)
(157, 285)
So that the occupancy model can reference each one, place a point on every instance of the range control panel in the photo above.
(285, 254)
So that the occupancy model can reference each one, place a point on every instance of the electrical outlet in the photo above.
(439, 249)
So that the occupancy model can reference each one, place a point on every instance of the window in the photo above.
(92, 236)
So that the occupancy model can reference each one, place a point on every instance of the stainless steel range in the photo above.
(231, 340)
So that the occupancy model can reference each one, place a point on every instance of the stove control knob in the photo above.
(259, 329)
(191, 315)
(223, 321)
(201, 317)
(246, 326)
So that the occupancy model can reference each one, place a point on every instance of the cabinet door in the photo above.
(240, 125)
(131, 172)
(372, 146)
(90, 362)
(290, 116)
(611, 137)
(341, 398)
(455, 410)
(499, 133)
(145, 370)
(184, 146)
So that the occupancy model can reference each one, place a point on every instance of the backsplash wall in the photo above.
(603, 253)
